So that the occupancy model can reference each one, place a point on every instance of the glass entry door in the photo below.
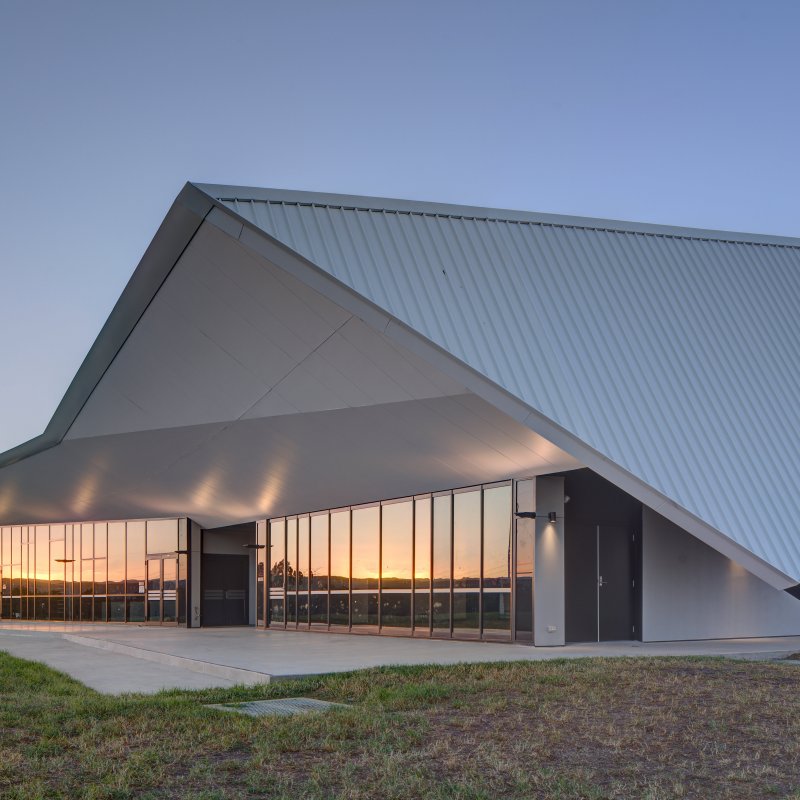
(162, 590)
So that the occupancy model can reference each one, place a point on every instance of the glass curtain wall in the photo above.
(94, 571)
(430, 565)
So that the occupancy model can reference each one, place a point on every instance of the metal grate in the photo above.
(278, 708)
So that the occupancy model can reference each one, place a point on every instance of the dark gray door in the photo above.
(224, 589)
(615, 590)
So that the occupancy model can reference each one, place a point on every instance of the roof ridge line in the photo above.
(695, 234)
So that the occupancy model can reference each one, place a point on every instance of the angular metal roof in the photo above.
(671, 353)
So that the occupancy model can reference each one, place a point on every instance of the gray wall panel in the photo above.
(690, 591)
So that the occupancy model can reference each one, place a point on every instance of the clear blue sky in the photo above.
(683, 113)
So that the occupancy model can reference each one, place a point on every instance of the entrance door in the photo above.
(225, 591)
(615, 589)
(162, 590)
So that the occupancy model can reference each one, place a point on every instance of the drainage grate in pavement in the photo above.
(284, 707)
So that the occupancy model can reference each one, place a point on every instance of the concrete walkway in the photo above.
(118, 658)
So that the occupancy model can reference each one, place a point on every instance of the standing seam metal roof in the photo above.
(670, 351)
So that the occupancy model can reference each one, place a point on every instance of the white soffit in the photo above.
(243, 393)
(672, 353)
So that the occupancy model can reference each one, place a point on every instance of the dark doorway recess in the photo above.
(225, 596)
(602, 560)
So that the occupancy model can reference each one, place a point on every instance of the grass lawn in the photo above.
(590, 728)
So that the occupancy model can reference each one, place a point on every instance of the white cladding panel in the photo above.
(690, 591)
(675, 356)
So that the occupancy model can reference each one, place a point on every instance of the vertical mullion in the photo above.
(430, 571)
(328, 614)
(480, 577)
(380, 565)
(452, 554)
(513, 564)
(350, 570)
(413, 563)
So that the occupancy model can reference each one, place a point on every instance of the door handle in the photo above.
(600, 580)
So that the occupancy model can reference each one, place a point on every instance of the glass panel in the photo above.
(340, 608)
(497, 538)
(365, 608)
(154, 591)
(396, 609)
(100, 540)
(291, 571)
(41, 607)
(523, 598)
(496, 613)
(340, 550)
(87, 541)
(466, 613)
(57, 610)
(319, 608)
(396, 563)
(135, 608)
(422, 542)
(277, 552)
(366, 547)
(99, 576)
(319, 569)
(261, 555)
(441, 541)
(116, 558)
(87, 576)
(86, 606)
(5, 543)
(303, 554)
(441, 611)
(116, 609)
(134, 564)
(71, 567)
(99, 609)
(170, 603)
(42, 583)
(422, 606)
(57, 567)
(304, 565)
(162, 536)
(467, 540)
(396, 545)
(276, 611)
(319, 552)
(340, 568)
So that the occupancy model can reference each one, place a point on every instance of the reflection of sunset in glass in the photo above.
(366, 547)
(340, 549)
(397, 523)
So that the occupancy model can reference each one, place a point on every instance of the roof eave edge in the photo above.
(182, 221)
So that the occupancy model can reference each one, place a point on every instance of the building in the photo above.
(352, 413)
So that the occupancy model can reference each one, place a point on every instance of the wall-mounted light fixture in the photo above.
(181, 552)
(551, 515)
(254, 546)
(65, 560)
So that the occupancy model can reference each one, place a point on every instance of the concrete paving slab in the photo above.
(105, 672)
(222, 656)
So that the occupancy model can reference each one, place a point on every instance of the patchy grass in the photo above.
(589, 728)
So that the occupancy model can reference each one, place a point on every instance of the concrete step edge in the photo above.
(235, 674)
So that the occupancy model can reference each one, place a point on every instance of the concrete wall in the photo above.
(548, 582)
(690, 591)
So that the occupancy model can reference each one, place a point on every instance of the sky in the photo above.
(682, 113)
